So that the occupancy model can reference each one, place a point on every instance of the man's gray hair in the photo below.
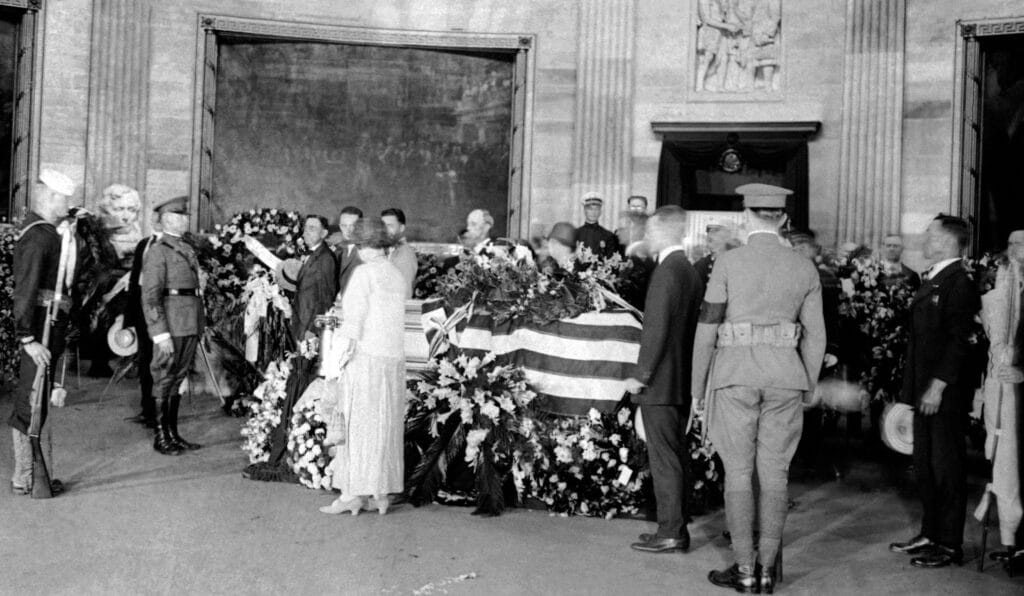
(488, 218)
(672, 216)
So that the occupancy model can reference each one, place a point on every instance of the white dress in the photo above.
(371, 389)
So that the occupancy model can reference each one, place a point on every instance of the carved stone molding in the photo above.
(991, 27)
(798, 128)
(363, 35)
(26, 4)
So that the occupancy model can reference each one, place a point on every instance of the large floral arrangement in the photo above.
(309, 458)
(594, 466)
(510, 288)
(265, 411)
(227, 261)
(877, 310)
(429, 270)
(476, 411)
(9, 356)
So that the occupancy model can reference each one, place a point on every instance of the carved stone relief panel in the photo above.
(738, 47)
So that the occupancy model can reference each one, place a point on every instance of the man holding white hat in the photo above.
(600, 241)
(759, 347)
(36, 260)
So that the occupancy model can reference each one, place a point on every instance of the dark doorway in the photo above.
(701, 166)
(9, 25)
(999, 208)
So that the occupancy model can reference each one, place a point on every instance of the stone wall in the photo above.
(661, 69)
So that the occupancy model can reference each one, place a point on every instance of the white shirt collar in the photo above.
(665, 252)
(938, 267)
(312, 249)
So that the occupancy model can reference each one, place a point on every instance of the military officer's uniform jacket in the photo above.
(171, 295)
(753, 287)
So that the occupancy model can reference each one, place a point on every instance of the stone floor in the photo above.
(135, 522)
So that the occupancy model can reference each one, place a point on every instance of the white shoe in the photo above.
(342, 504)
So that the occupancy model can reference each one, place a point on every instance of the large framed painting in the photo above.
(391, 120)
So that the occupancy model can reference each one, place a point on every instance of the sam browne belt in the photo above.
(780, 335)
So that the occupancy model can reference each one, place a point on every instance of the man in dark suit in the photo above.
(315, 290)
(343, 244)
(894, 271)
(939, 380)
(134, 317)
(661, 384)
(172, 303)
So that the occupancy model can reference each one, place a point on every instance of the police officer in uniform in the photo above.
(600, 241)
(758, 349)
(36, 258)
(173, 306)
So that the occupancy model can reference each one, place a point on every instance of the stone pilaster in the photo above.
(603, 139)
(872, 121)
(116, 140)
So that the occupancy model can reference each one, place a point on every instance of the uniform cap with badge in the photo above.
(592, 198)
(763, 196)
(177, 205)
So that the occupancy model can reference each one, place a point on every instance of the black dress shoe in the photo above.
(917, 544)
(662, 545)
(744, 582)
(938, 556)
(1002, 556)
(766, 580)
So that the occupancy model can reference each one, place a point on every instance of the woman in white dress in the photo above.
(368, 465)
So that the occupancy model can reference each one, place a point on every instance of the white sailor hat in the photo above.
(593, 198)
(57, 182)
(763, 196)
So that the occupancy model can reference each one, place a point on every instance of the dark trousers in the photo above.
(301, 377)
(666, 450)
(940, 452)
(145, 375)
(21, 415)
(168, 373)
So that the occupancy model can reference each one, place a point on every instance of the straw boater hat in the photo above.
(122, 340)
(898, 428)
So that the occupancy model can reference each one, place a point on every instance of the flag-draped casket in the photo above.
(573, 364)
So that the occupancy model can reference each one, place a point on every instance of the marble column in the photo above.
(118, 96)
(602, 145)
(872, 121)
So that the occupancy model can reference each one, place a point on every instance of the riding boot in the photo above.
(172, 425)
(163, 442)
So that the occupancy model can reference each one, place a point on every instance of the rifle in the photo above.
(41, 384)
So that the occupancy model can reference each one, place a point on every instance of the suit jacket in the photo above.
(171, 264)
(942, 340)
(133, 315)
(666, 343)
(762, 283)
(316, 286)
(347, 262)
(404, 257)
(906, 273)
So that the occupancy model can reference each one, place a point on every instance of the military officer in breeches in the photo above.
(758, 349)
(173, 306)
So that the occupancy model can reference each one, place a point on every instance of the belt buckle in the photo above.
(743, 332)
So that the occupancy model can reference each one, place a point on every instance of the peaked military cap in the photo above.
(763, 196)
(175, 205)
